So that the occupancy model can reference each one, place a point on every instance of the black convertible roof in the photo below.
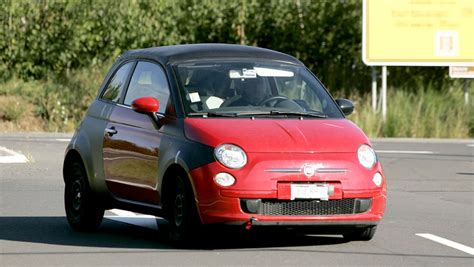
(180, 53)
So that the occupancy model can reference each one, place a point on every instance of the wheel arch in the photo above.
(168, 183)
(71, 157)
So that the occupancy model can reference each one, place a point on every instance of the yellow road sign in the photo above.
(418, 32)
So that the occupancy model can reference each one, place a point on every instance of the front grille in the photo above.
(308, 207)
(275, 207)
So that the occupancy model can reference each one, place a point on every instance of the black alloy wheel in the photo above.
(82, 210)
(182, 214)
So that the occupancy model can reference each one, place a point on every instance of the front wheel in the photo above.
(83, 213)
(362, 234)
(182, 215)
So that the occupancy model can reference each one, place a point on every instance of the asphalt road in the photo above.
(430, 195)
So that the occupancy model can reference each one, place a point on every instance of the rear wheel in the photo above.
(362, 234)
(182, 214)
(82, 211)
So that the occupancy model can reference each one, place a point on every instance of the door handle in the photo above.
(110, 131)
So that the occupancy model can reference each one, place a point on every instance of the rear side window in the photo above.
(117, 83)
(148, 79)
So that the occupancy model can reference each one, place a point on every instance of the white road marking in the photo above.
(404, 152)
(12, 157)
(125, 213)
(63, 139)
(470, 145)
(147, 221)
(448, 243)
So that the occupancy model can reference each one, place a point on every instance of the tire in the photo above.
(181, 212)
(362, 234)
(82, 211)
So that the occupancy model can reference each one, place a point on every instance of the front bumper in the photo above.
(219, 205)
(227, 205)
(229, 210)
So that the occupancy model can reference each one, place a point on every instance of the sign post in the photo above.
(466, 73)
(466, 93)
(384, 93)
(374, 89)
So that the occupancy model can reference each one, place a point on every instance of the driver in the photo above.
(252, 93)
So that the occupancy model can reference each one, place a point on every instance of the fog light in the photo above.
(224, 179)
(377, 179)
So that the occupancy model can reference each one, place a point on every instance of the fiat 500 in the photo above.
(222, 134)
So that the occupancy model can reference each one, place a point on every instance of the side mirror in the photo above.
(146, 104)
(346, 105)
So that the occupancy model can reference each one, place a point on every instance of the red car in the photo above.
(222, 134)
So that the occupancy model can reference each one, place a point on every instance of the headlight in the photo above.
(230, 156)
(366, 156)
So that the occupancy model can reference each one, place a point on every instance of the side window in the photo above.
(148, 79)
(117, 83)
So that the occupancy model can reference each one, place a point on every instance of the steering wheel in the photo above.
(277, 98)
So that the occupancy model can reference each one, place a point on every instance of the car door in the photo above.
(132, 139)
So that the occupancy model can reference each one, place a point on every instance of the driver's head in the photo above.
(253, 90)
(220, 83)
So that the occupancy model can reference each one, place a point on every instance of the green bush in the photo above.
(41, 39)
(60, 102)
(420, 112)
(55, 53)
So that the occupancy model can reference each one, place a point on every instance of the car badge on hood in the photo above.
(309, 170)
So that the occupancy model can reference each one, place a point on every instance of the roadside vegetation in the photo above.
(421, 113)
(55, 54)
(59, 104)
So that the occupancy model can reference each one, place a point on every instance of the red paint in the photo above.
(278, 135)
(217, 204)
(146, 104)
(283, 143)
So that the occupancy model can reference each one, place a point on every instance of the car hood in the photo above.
(278, 135)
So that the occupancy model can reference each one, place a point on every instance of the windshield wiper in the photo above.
(211, 114)
(251, 113)
(280, 112)
(298, 113)
(256, 113)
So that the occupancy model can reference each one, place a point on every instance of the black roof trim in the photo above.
(179, 53)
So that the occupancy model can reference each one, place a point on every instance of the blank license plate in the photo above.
(310, 191)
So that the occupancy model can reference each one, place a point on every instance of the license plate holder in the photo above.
(309, 191)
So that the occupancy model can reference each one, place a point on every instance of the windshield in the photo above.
(267, 89)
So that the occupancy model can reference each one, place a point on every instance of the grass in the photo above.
(11, 110)
(17, 114)
(425, 113)
(58, 104)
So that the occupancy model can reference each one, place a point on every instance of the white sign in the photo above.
(461, 72)
(194, 97)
